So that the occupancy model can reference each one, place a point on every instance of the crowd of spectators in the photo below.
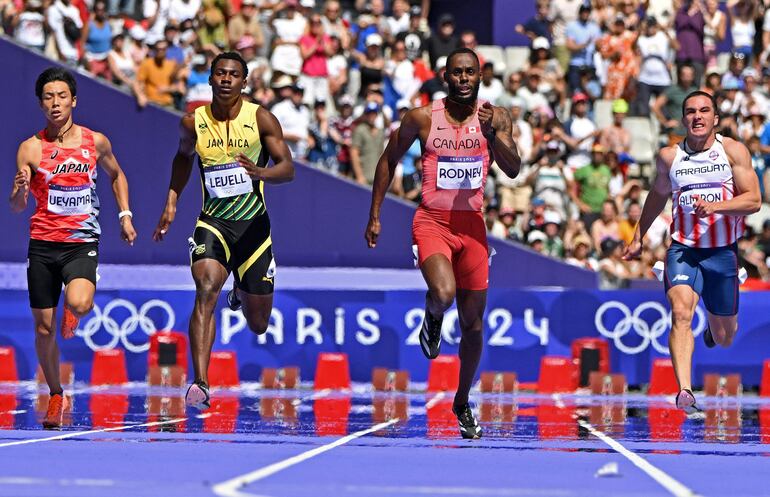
(340, 74)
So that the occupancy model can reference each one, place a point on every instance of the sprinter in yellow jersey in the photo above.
(233, 140)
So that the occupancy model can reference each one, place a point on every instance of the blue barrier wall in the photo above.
(318, 220)
(377, 328)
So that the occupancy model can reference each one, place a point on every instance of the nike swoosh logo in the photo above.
(440, 128)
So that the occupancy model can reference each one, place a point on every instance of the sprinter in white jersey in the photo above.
(713, 186)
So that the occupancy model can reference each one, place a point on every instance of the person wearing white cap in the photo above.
(371, 62)
(435, 88)
(536, 240)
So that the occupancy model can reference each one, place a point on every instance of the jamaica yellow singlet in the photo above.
(229, 193)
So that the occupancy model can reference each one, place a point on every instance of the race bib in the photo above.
(227, 180)
(460, 173)
(709, 192)
(69, 200)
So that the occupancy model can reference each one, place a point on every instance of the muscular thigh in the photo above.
(720, 281)
(683, 268)
(253, 263)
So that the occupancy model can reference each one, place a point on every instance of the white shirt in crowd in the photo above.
(656, 52)
(160, 7)
(181, 10)
(492, 92)
(402, 76)
(533, 100)
(525, 140)
(31, 29)
(398, 25)
(288, 58)
(579, 128)
(294, 121)
(56, 14)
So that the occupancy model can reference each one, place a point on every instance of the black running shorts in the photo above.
(51, 264)
(242, 247)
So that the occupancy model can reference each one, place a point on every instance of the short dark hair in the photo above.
(700, 93)
(459, 51)
(231, 56)
(488, 65)
(55, 74)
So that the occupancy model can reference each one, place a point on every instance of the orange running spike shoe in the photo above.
(55, 412)
(69, 323)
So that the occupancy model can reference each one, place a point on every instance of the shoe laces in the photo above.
(55, 404)
(465, 415)
(434, 326)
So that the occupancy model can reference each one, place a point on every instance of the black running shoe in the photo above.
(233, 302)
(430, 335)
(469, 427)
(685, 400)
(708, 338)
(198, 396)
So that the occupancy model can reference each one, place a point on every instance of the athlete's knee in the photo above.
(681, 315)
(443, 294)
(80, 306)
(44, 330)
(206, 291)
(257, 324)
(473, 334)
(728, 337)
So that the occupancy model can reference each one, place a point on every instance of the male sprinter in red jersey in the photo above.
(58, 164)
(714, 186)
(460, 136)
(232, 139)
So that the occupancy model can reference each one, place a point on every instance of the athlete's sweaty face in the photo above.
(699, 117)
(462, 78)
(227, 79)
(57, 102)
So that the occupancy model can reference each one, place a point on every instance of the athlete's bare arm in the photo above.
(271, 136)
(655, 202)
(26, 161)
(180, 174)
(414, 121)
(496, 126)
(747, 199)
(119, 184)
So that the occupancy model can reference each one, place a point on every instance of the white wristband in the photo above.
(125, 213)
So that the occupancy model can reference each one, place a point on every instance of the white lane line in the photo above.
(318, 395)
(462, 491)
(90, 432)
(435, 400)
(81, 482)
(231, 488)
(666, 481)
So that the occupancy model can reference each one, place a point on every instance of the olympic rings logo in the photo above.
(649, 331)
(120, 333)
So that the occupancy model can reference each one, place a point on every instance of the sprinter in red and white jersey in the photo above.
(460, 136)
(713, 186)
(58, 165)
